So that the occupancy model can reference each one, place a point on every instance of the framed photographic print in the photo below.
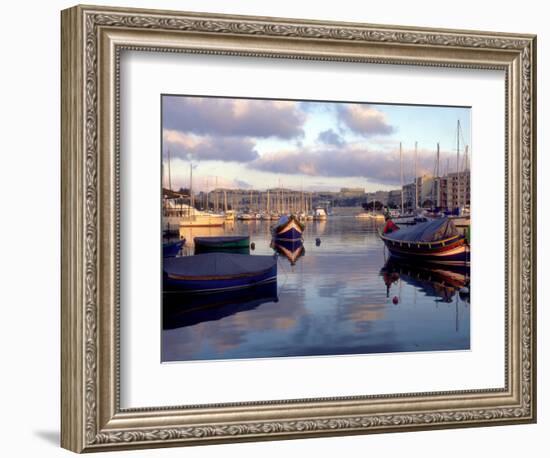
(278, 228)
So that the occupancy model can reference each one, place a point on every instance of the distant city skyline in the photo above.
(309, 145)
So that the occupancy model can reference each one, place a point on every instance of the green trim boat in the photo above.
(233, 244)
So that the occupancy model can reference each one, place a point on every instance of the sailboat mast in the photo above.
(457, 163)
(466, 168)
(169, 172)
(216, 196)
(415, 175)
(207, 208)
(438, 194)
(401, 167)
(191, 196)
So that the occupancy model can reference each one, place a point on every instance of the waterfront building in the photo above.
(454, 190)
(352, 192)
(394, 198)
(424, 190)
(378, 196)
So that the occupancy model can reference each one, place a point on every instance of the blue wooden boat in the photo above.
(215, 272)
(171, 249)
(288, 228)
(232, 244)
(181, 309)
(437, 241)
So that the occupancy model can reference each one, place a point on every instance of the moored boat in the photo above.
(246, 217)
(170, 249)
(363, 215)
(233, 244)
(367, 215)
(230, 215)
(191, 217)
(320, 214)
(215, 272)
(436, 241)
(288, 228)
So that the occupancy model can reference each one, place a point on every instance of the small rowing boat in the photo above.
(288, 228)
(215, 272)
(436, 241)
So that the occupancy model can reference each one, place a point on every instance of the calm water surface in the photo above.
(339, 297)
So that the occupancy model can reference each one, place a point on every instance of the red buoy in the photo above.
(395, 300)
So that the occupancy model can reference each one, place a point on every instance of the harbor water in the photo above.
(339, 294)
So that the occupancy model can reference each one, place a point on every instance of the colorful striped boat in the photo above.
(216, 272)
(288, 228)
(436, 241)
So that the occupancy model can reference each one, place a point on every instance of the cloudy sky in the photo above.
(259, 143)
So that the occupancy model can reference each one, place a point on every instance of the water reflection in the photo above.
(441, 282)
(292, 250)
(339, 299)
(184, 309)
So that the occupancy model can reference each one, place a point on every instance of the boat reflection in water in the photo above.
(332, 301)
(434, 280)
(182, 309)
(292, 250)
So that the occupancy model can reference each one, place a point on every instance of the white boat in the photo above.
(191, 217)
(230, 215)
(366, 215)
(246, 216)
(363, 215)
(320, 214)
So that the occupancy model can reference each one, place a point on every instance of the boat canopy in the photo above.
(217, 264)
(431, 231)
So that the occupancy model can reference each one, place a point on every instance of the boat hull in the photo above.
(290, 230)
(182, 276)
(449, 252)
(202, 221)
(233, 244)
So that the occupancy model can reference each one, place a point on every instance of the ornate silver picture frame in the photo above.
(93, 39)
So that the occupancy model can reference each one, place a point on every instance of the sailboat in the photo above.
(461, 214)
(403, 218)
(191, 217)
